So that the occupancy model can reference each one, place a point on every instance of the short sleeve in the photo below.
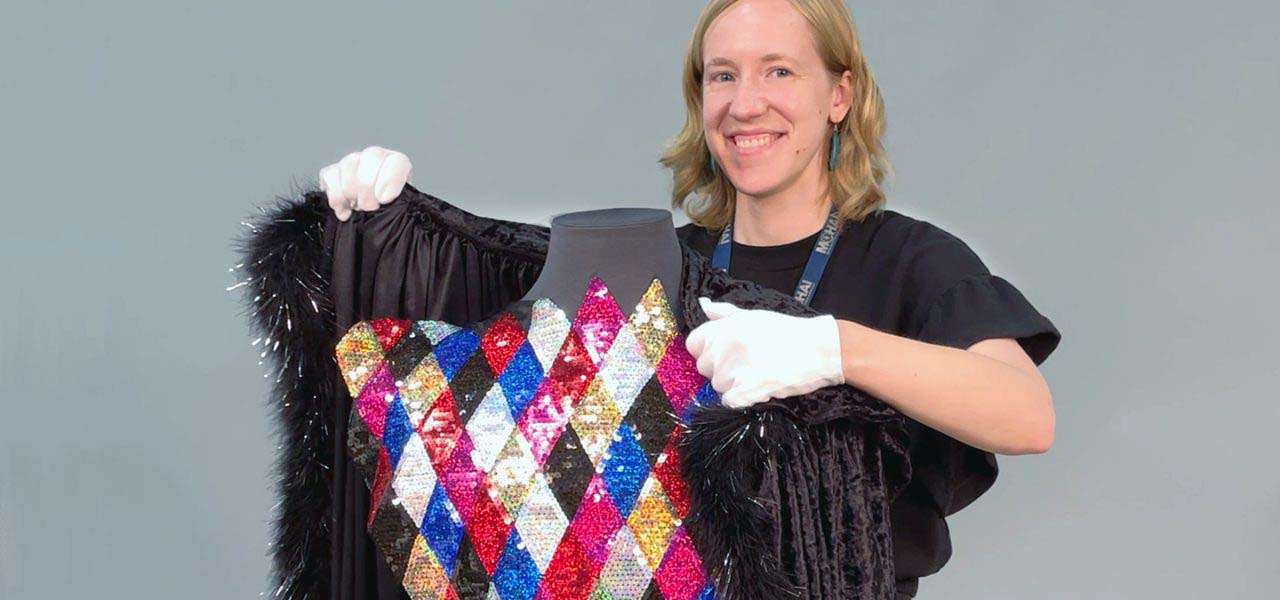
(985, 306)
(955, 301)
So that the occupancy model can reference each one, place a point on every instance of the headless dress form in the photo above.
(626, 247)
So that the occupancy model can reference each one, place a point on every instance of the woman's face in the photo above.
(768, 101)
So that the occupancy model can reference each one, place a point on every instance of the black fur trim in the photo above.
(285, 275)
(725, 459)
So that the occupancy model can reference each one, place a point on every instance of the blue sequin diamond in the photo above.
(516, 576)
(521, 378)
(396, 431)
(454, 350)
(625, 469)
(442, 528)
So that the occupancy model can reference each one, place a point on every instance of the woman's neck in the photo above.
(783, 217)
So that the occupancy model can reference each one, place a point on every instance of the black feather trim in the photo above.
(285, 275)
(726, 461)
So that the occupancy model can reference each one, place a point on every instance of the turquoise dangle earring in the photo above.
(711, 159)
(835, 148)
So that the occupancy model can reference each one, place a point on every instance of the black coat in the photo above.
(798, 508)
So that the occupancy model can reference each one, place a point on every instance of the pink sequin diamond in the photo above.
(377, 394)
(678, 373)
(598, 320)
(596, 521)
(680, 575)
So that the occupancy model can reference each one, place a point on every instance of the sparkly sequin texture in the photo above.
(535, 464)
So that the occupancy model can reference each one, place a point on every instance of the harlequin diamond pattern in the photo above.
(529, 465)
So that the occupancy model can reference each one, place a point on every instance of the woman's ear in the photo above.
(842, 96)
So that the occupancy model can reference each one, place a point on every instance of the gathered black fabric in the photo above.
(909, 278)
(789, 498)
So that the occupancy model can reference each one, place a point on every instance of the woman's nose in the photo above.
(748, 101)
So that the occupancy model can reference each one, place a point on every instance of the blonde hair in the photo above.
(861, 166)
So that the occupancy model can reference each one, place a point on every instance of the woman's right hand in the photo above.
(365, 180)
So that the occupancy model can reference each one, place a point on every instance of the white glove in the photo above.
(365, 180)
(753, 355)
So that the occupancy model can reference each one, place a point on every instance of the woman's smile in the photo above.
(754, 143)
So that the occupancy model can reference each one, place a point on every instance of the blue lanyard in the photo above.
(818, 257)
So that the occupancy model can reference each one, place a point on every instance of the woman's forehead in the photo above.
(758, 31)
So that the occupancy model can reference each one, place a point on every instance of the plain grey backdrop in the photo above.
(1114, 160)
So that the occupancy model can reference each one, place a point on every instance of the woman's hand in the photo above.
(752, 355)
(365, 180)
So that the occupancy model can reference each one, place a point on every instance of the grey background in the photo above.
(1112, 159)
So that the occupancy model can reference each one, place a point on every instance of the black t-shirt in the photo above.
(908, 277)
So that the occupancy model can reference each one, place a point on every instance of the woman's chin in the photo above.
(755, 184)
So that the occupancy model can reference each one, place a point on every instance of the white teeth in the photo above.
(753, 141)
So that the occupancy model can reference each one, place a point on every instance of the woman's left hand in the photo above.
(752, 355)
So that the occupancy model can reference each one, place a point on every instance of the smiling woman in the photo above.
(780, 161)
(765, 86)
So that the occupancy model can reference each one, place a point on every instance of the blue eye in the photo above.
(782, 69)
(715, 75)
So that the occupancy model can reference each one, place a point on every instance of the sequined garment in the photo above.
(529, 456)
(787, 499)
